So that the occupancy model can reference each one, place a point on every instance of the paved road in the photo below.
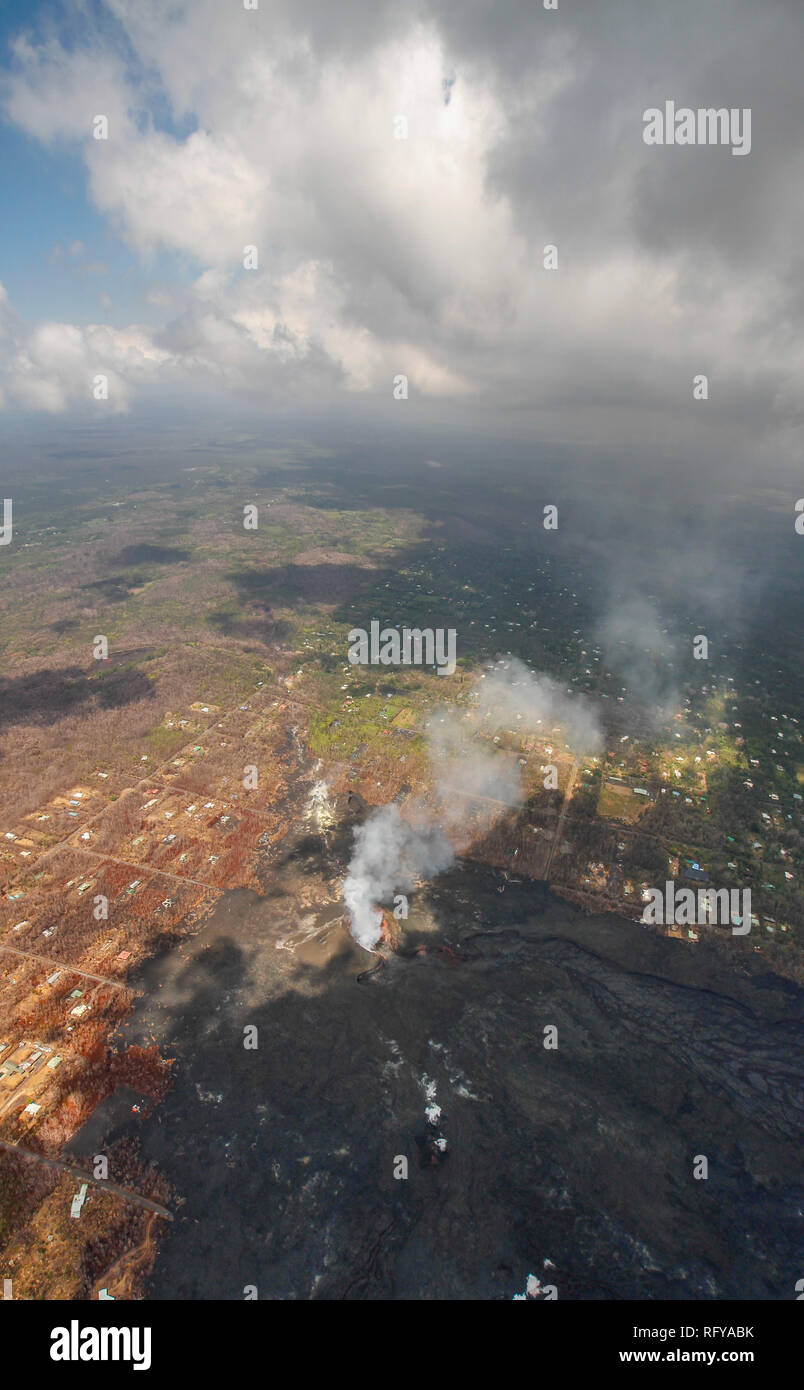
(71, 969)
(81, 1176)
(144, 868)
(562, 817)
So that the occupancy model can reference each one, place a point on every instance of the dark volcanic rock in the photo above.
(581, 1155)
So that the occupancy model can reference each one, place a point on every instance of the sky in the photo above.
(378, 256)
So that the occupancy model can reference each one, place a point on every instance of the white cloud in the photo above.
(55, 95)
(51, 366)
(423, 255)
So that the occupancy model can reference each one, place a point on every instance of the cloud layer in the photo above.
(276, 128)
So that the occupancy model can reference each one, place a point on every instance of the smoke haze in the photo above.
(641, 653)
(396, 847)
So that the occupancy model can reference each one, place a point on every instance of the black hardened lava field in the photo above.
(579, 1164)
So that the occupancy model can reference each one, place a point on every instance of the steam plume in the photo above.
(391, 852)
(642, 653)
(395, 848)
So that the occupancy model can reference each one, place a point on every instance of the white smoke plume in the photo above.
(473, 783)
(511, 696)
(643, 653)
(391, 852)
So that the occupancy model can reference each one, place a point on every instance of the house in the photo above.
(12, 1069)
(78, 1201)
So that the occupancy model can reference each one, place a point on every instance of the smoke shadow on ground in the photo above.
(117, 588)
(290, 582)
(45, 696)
(145, 553)
(255, 623)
